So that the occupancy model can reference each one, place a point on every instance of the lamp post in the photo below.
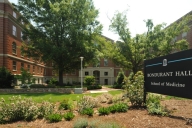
(111, 76)
(81, 73)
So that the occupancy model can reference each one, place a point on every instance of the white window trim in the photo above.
(14, 66)
(14, 14)
(14, 32)
(14, 49)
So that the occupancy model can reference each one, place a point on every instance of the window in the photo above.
(41, 70)
(33, 69)
(86, 73)
(14, 31)
(28, 68)
(22, 65)
(184, 35)
(37, 70)
(105, 62)
(45, 71)
(14, 48)
(21, 36)
(14, 14)
(106, 73)
(14, 65)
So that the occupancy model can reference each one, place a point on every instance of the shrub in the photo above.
(113, 108)
(122, 107)
(53, 81)
(45, 109)
(18, 109)
(42, 86)
(119, 79)
(92, 87)
(86, 102)
(54, 117)
(89, 80)
(6, 78)
(69, 116)
(88, 111)
(81, 123)
(104, 111)
(25, 77)
(154, 107)
(64, 104)
(134, 86)
(105, 98)
(23, 109)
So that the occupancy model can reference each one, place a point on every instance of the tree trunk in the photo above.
(60, 77)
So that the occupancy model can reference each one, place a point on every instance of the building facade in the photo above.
(12, 58)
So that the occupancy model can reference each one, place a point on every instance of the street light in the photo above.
(111, 76)
(81, 73)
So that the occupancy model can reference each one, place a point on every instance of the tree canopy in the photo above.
(59, 31)
(157, 41)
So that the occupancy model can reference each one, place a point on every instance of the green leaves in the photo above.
(60, 31)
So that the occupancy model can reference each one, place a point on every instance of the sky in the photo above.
(160, 11)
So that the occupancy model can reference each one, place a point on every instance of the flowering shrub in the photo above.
(45, 109)
(23, 109)
(86, 102)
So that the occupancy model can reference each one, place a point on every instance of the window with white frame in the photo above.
(106, 73)
(28, 68)
(184, 35)
(86, 73)
(14, 66)
(14, 48)
(33, 69)
(105, 62)
(21, 36)
(22, 65)
(14, 14)
(14, 30)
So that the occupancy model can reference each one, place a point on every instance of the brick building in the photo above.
(185, 35)
(12, 58)
(10, 54)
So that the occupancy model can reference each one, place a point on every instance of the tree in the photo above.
(25, 76)
(59, 31)
(130, 52)
(120, 79)
(6, 78)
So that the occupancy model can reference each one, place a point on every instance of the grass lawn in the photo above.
(54, 97)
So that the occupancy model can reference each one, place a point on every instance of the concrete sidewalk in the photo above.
(103, 90)
(98, 91)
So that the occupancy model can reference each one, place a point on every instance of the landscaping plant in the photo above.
(134, 87)
(54, 117)
(154, 107)
(69, 116)
(104, 111)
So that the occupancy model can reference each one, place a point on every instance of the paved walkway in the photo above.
(103, 90)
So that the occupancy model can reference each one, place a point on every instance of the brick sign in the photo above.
(170, 75)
